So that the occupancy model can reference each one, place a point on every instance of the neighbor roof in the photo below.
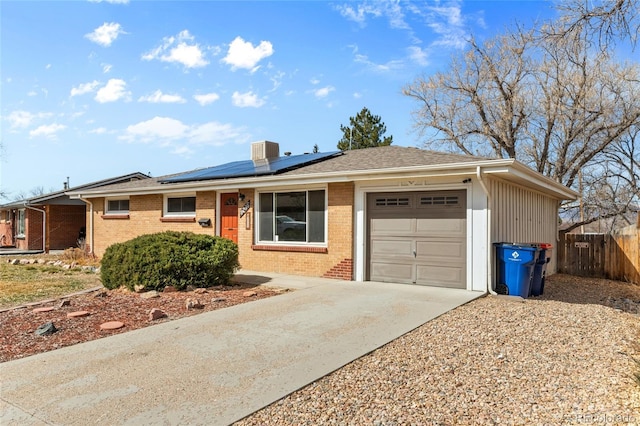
(59, 197)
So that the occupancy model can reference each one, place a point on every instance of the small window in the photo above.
(117, 206)
(439, 201)
(180, 206)
(392, 201)
(21, 222)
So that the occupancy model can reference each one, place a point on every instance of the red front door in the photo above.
(229, 216)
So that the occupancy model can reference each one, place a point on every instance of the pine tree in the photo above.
(365, 131)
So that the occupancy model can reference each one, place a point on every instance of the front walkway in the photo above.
(12, 251)
(220, 366)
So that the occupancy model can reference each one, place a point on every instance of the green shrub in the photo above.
(170, 258)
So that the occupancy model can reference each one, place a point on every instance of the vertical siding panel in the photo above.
(520, 215)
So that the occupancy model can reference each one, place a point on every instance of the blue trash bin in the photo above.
(515, 267)
(540, 269)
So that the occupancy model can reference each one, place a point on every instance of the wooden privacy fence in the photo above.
(613, 256)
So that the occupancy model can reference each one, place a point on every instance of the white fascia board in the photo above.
(534, 179)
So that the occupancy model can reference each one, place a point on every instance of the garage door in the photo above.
(417, 238)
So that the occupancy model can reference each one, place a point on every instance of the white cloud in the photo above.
(114, 90)
(167, 131)
(18, 119)
(360, 12)
(448, 23)
(106, 68)
(323, 92)
(248, 99)
(156, 129)
(98, 131)
(32, 93)
(180, 49)
(85, 88)
(48, 131)
(392, 65)
(216, 134)
(207, 98)
(158, 97)
(106, 34)
(48, 66)
(242, 54)
(418, 55)
(22, 119)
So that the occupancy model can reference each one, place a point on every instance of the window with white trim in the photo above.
(292, 217)
(21, 223)
(180, 205)
(117, 206)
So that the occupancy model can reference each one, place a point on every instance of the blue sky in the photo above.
(96, 89)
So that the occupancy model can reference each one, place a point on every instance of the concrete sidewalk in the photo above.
(218, 367)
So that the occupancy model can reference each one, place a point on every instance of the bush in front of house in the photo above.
(170, 258)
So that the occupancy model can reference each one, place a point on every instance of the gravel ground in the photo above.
(17, 325)
(563, 358)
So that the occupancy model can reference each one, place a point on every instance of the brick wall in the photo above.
(145, 217)
(33, 231)
(6, 228)
(334, 262)
(63, 226)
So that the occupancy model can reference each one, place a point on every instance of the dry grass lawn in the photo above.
(21, 284)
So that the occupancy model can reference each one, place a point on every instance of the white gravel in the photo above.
(563, 358)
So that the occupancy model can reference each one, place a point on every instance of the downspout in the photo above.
(489, 265)
(90, 223)
(44, 225)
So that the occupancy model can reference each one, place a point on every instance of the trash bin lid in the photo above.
(541, 246)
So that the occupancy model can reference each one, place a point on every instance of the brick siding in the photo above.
(315, 263)
(63, 226)
(145, 214)
(334, 261)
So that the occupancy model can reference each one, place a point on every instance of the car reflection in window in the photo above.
(289, 229)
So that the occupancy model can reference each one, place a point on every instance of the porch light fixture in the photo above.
(205, 221)
(241, 196)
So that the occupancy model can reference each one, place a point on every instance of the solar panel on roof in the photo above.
(248, 168)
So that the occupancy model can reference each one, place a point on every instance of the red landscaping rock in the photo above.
(44, 309)
(111, 325)
(155, 314)
(77, 314)
(194, 304)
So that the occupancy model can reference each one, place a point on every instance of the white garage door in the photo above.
(417, 238)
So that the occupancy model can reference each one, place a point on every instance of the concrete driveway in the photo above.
(218, 367)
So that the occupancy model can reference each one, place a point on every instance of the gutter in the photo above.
(90, 231)
(489, 200)
(44, 225)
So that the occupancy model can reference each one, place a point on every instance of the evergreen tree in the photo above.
(365, 131)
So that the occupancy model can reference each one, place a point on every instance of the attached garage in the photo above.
(417, 237)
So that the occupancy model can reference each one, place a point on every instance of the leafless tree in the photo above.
(602, 22)
(551, 103)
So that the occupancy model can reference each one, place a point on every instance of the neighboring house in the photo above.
(51, 221)
(392, 213)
